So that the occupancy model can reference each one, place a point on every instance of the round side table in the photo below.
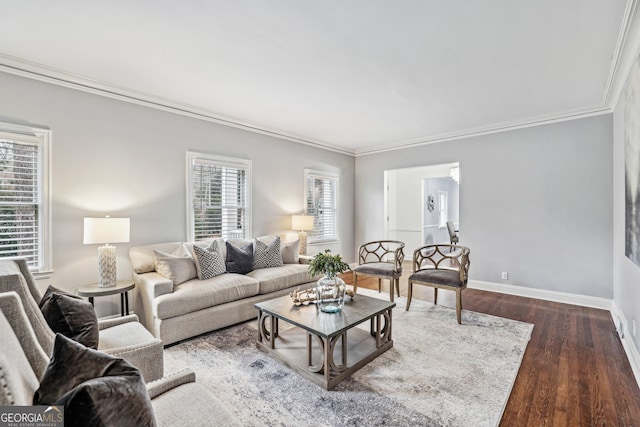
(122, 288)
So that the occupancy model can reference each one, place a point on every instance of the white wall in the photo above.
(117, 158)
(534, 202)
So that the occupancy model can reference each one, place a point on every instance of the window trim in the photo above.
(223, 161)
(41, 137)
(323, 175)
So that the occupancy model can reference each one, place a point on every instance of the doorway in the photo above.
(418, 203)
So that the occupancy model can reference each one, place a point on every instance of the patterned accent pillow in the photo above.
(210, 261)
(266, 255)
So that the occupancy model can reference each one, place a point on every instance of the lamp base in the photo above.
(302, 236)
(107, 277)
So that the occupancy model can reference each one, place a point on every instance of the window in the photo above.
(443, 208)
(24, 195)
(218, 197)
(321, 198)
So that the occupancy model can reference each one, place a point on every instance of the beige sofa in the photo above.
(176, 312)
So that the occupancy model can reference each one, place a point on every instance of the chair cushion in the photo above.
(378, 268)
(128, 334)
(18, 380)
(438, 277)
(194, 295)
(95, 388)
(239, 259)
(276, 278)
(71, 316)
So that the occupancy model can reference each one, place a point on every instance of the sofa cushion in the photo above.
(275, 278)
(95, 388)
(194, 295)
(239, 259)
(209, 261)
(71, 316)
(290, 251)
(266, 255)
(177, 267)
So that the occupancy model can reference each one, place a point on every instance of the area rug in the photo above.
(438, 373)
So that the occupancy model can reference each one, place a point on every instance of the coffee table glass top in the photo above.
(356, 310)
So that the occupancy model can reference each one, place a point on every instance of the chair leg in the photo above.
(379, 285)
(459, 306)
(355, 282)
(435, 295)
(409, 293)
(397, 280)
(391, 290)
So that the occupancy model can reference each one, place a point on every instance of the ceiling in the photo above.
(357, 76)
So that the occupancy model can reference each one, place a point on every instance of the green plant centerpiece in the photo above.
(330, 289)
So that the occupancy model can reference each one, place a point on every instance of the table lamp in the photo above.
(104, 231)
(302, 224)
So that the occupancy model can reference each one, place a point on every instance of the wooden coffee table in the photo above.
(333, 333)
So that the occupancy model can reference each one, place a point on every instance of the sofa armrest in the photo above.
(154, 284)
(164, 384)
(304, 259)
(109, 323)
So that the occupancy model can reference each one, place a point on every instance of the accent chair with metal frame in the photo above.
(441, 266)
(381, 259)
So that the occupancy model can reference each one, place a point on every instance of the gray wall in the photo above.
(534, 202)
(117, 158)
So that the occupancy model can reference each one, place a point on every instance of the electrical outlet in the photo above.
(505, 275)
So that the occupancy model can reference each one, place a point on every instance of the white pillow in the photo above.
(290, 251)
(177, 267)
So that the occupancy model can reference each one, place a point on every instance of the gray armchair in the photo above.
(381, 259)
(123, 337)
(441, 266)
(177, 399)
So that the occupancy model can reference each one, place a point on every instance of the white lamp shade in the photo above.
(301, 222)
(106, 230)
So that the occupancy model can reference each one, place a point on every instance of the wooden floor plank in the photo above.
(574, 372)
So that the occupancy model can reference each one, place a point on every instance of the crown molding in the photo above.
(35, 71)
(471, 133)
(624, 56)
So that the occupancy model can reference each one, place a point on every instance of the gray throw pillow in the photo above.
(239, 260)
(95, 388)
(266, 255)
(210, 261)
(71, 316)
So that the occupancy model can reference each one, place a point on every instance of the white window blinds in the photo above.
(321, 196)
(20, 200)
(219, 200)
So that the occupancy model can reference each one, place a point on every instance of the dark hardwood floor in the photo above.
(574, 372)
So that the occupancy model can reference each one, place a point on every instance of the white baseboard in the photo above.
(627, 343)
(563, 297)
(620, 322)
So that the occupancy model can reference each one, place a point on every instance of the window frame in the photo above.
(316, 174)
(41, 138)
(194, 156)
